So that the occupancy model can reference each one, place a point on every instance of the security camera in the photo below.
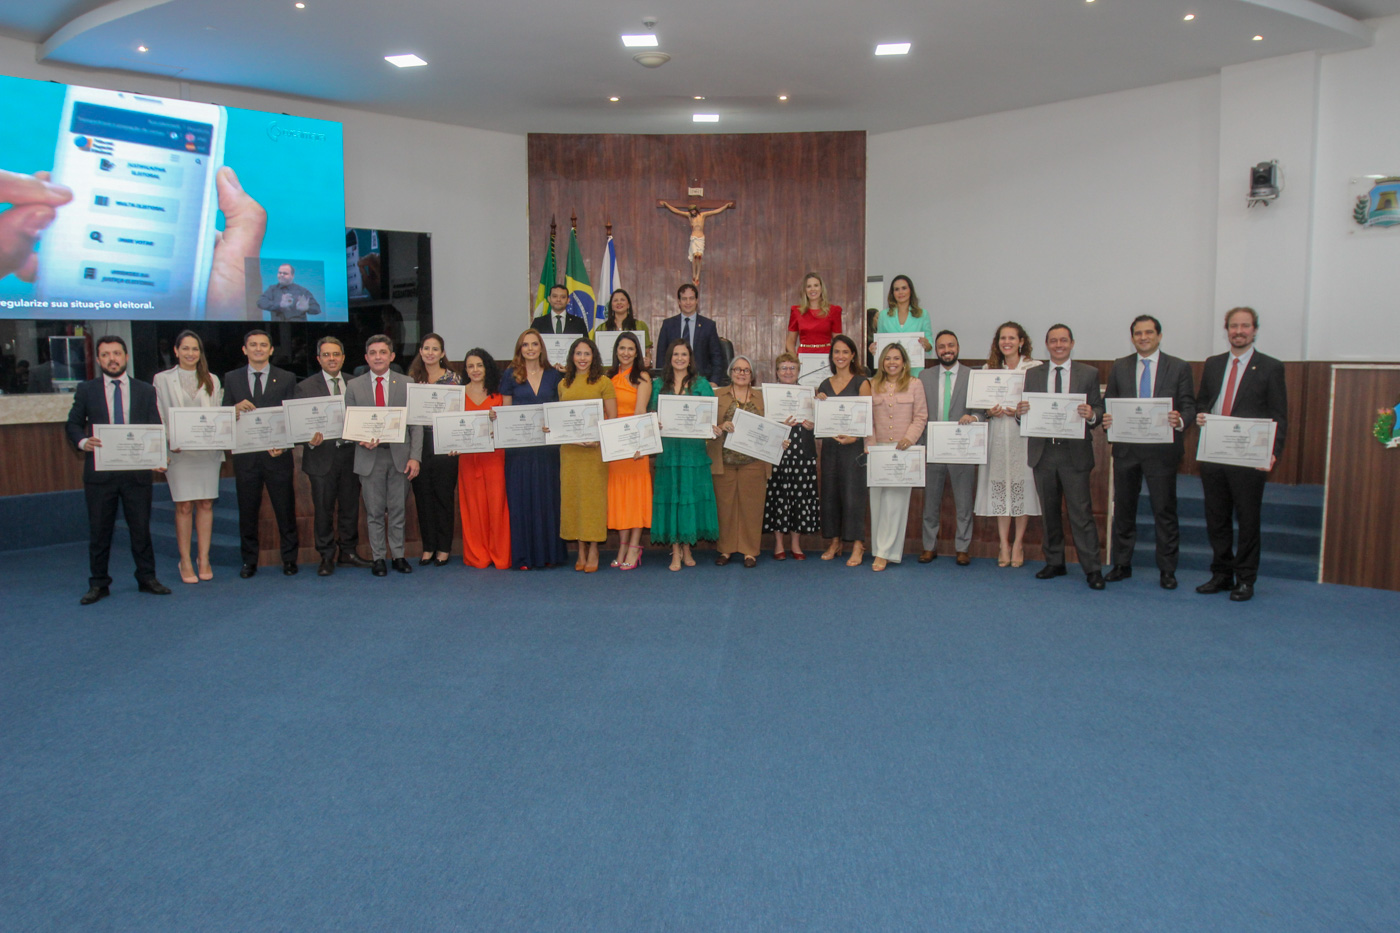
(1265, 183)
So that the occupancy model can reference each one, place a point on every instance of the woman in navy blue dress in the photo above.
(532, 473)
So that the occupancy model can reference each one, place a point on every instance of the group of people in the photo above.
(520, 507)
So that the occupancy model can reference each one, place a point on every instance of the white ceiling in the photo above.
(549, 66)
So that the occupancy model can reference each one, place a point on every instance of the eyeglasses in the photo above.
(741, 372)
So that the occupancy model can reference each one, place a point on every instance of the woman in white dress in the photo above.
(1006, 486)
(193, 474)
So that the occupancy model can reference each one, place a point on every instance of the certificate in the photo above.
(519, 426)
(843, 416)
(950, 442)
(988, 388)
(1246, 442)
(910, 343)
(557, 347)
(129, 447)
(308, 416)
(1140, 421)
(607, 339)
(370, 423)
(425, 400)
(1053, 415)
(572, 422)
(463, 432)
(687, 415)
(261, 429)
(620, 438)
(757, 436)
(812, 368)
(887, 465)
(781, 402)
(201, 428)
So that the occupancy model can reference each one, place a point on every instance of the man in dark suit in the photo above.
(330, 466)
(114, 398)
(1062, 466)
(1242, 383)
(698, 331)
(558, 320)
(1148, 373)
(262, 385)
(945, 390)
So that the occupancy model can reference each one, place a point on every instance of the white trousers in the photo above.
(889, 519)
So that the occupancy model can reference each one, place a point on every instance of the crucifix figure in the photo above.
(697, 216)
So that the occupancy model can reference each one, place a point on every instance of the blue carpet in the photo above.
(800, 746)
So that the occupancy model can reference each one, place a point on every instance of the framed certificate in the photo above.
(687, 415)
(1053, 415)
(426, 400)
(910, 342)
(812, 368)
(621, 438)
(781, 402)
(1246, 442)
(607, 339)
(950, 442)
(988, 388)
(367, 423)
(261, 429)
(849, 416)
(1139, 420)
(129, 447)
(307, 416)
(572, 422)
(758, 437)
(519, 426)
(463, 432)
(557, 346)
(201, 428)
(887, 465)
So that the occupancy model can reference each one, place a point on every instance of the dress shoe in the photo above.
(440, 561)
(1095, 580)
(1242, 593)
(1051, 570)
(156, 588)
(964, 558)
(424, 561)
(1118, 572)
(1218, 583)
(289, 568)
(248, 570)
(327, 567)
(402, 565)
(721, 560)
(94, 594)
(352, 559)
(750, 562)
(928, 557)
(381, 569)
(1168, 580)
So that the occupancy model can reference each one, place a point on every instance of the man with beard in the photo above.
(945, 390)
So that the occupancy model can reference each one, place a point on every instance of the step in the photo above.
(1283, 539)
(1196, 559)
(224, 549)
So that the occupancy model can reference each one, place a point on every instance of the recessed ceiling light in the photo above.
(405, 61)
(640, 42)
(1189, 16)
(142, 48)
(614, 99)
(892, 48)
(699, 96)
(1258, 38)
(1088, 1)
(704, 118)
(299, 5)
(782, 97)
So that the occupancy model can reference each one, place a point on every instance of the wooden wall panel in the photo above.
(1361, 537)
(38, 458)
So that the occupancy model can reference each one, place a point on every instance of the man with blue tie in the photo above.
(698, 331)
(1148, 373)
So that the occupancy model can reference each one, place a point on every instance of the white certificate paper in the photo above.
(1140, 420)
(463, 432)
(887, 465)
(1053, 415)
(607, 339)
(781, 402)
(369, 423)
(129, 447)
(687, 415)
(261, 429)
(201, 428)
(557, 346)
(572, 422)
(620, 438)
(426, 400)
(519, 426)
(987, 388)
(1246, 442)
(812, 368)
(758, 437)
(849, 416)
(950, 442)
(910, 342)
(307, 416)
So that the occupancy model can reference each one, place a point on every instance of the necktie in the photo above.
(257, 389)
(559, 323)
(1229, 403)
(379, 391)
(685, 330)
(335, 381)
(1059, 386)
(1145, 384)
(118, 416)
(947, 392)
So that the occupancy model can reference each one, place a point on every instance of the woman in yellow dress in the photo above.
(583, 476)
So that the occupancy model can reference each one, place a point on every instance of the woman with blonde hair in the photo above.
(900, 417)
(1006, 485)
(532, 473)
(814, 320)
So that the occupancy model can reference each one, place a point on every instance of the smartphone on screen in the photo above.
(140, 227)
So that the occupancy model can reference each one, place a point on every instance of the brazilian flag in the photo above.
(576, 280)
(549, 277)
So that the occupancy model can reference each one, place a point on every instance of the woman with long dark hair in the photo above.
(622, 316)
(843, 464)
(629, 481)
(481, 477)
(193, 474)
(583, 476)
(683, 495)
(435, 486)
(904, 316)
(1006, 485)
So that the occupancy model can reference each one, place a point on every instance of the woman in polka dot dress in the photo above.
(792, 504)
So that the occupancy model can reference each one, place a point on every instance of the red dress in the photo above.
(814, 331)
(481, 490)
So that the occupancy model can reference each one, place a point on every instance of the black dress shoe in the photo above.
(380, 569)
(154, 587)
(327, 567)
(721, 560)
(352, 559)
(1051, 570)
(1117, 572)
(1095, 580)
(1242, 593)
(1168, 580)
(1218, 583)
(290, 568)
(424, 561)
(94, 594)
(402, 565)
(441, 561)
(248, 570)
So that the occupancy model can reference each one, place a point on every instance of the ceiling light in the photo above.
(651, 59)
(299, 6)
(704, 118)
(405, 61)
(892, 48)
(614, 99)
(782, 97)
(1188, 17)
(1258, 38)
(640, 42)
(1088, 1)
(699, 97)
(142, 48)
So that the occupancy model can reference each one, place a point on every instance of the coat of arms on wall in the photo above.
(1379, 207)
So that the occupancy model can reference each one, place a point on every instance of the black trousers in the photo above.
(135, 499)
(336, 498)
(1234, 497)
(435, 497)
(1161, 492)
(251, 474)
(1055, 479)
(843, 491)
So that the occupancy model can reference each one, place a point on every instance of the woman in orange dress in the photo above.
(629, 481)
(481, 478)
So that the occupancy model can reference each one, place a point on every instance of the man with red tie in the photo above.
(1242, 383)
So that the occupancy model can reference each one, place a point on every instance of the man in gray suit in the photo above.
(385, 470)
(1062, 467)
(945, 390)
(330, 466)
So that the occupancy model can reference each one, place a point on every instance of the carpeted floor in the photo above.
(799, 746)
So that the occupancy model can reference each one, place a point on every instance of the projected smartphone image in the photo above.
(139, 232)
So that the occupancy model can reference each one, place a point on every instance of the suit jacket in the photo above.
(360, 392)
(1082, 378)
(90, 408)
(706, 348)
(280, 386)
(1260, 392)
(1172, 379)
(317, 461)
(573, 324)
(932, 379)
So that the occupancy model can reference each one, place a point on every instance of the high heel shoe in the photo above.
(857, 555)
(1003, 557)
(187, 575)
(831, 553)
(1017, 561)
(632, 564)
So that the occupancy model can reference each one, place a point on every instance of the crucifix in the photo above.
(696, 209)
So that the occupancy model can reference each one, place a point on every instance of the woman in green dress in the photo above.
(904, 316)
(683, 495)
(583, 476)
